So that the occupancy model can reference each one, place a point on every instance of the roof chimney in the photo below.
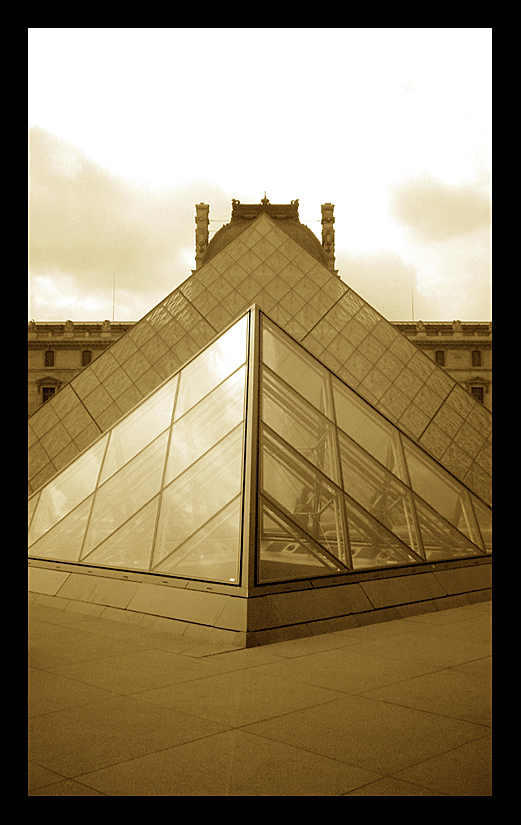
(202, 223)
(328, 235)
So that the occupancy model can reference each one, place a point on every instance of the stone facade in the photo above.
(463, 349)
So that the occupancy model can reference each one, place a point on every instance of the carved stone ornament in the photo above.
(328, 239)
(278, 211)
(48, 381)
(477, 381)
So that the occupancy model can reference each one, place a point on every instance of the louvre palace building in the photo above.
(59, 350)
(263, 455)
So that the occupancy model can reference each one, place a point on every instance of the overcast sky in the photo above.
(130, 128)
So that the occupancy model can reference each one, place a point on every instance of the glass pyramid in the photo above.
(255, 423)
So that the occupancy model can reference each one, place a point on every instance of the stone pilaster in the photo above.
(328, 235)
(202, 224)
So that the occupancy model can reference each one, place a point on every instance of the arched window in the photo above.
(86, 357)
(439, 357)
(49, 358)
(476, 358)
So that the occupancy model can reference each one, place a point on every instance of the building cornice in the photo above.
(97, 335)
(65, 343)
(49, 381)
(465, 327)
(462, 343)
(78, 330)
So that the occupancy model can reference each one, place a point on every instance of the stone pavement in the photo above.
(395, 708)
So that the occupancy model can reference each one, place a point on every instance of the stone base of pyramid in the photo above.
(268, 614)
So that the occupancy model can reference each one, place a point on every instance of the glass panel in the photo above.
(206, 423)
(199, 493)
(63, 542)
(213, 553)
(297, 422)
(286, 553)
(295, 366)
(33, 501)
(212, 366)
(439, 490)
(304, 495)
(371, 544)
(484, 517)
(139, 428)
(66, 491)
(379, 492)
(368, 428)
(440, 539)
(126, 492)
(130, 546)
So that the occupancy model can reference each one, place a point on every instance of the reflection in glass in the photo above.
(298, 423)
(206, 423)
(199, 493)
(211, 367)
(371, 545)
(139, 428)
(287, 553)
(484, 518)
(304, 494)
(126, 492)
(66, 491)
(368, 428)
(295, 366)
(436, 487)
(63, 542)
(33, 501)
(130, 546)
(379, 492)
(440, 539)
(213, 552)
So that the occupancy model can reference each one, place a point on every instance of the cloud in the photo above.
(382, 278)
(441, 281)
(87, 225)
(456, 276)
(436, 211)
